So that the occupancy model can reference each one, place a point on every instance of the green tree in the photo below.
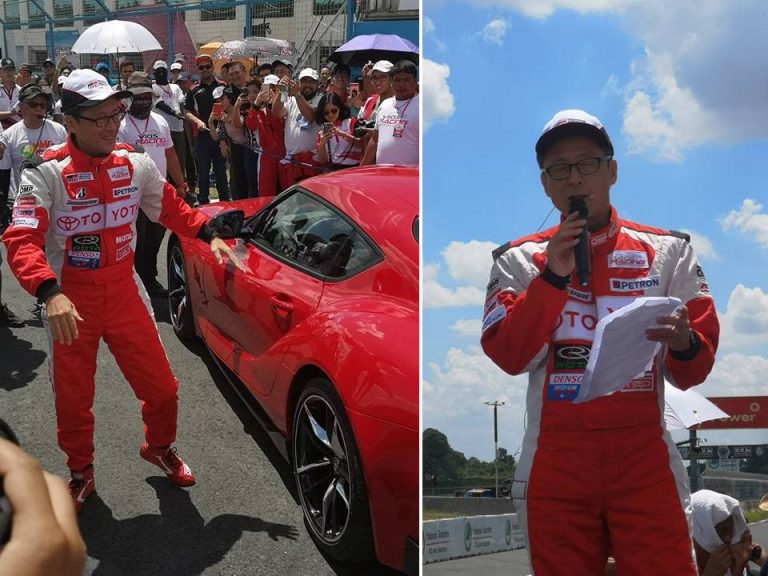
(442, 464)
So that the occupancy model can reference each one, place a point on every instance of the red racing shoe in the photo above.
(169, 462)
(81, 486)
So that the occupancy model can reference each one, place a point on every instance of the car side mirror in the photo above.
(228, 224)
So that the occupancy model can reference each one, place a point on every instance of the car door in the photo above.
(287, 259)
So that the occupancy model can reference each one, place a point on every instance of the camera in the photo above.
(362, 127)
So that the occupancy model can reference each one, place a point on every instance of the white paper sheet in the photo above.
(620, 350)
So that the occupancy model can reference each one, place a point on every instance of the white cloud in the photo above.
(704, 75)
(749, 220)
(744, 324)
(468, 328)
(495, 31)
(736, 374)
(469, 265)
(453, 396)
(702, 245)
(429, 26)
(437, 98)
(438, 296)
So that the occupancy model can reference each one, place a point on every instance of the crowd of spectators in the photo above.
(245, 132)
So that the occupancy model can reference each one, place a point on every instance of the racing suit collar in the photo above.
(81, 159)
(604, 240)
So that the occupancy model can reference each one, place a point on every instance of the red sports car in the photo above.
(323, 329)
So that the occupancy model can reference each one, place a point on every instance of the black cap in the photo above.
(49, 61)
(7, 63)
(32, 90)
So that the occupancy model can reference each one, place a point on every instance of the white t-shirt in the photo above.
(398, 124)
(152, 133)
(21, 143)
(171, 94)
(300, 135)
(8, 101)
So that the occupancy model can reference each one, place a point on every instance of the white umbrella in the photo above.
(115, 37)
(684, 409)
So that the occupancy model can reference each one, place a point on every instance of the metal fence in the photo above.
(34, 30)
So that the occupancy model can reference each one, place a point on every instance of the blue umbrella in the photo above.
(373, 47)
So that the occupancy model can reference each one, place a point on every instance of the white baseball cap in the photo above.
(383, 66)
(177, 66)
(84, 87)
(572, 123)
(309, 73)
(160, 64)
(271, 80)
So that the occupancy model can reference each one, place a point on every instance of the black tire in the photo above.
(329, 475)
(179, 303)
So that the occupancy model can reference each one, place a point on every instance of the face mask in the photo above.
(141, 108)
(161, 76)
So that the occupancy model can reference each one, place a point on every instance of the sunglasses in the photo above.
(204, 67)
(40, 105)
(331, 110)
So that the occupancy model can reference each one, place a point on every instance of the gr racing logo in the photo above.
(571, 357)
(90, 240)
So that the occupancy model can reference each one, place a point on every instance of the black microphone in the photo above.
(581, 251)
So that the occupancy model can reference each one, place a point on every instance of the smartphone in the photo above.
(327, 127)
(354, 88)
(218, 108)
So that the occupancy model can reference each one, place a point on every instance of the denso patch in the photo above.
(119, 173)
(563, 387)
(627, 259)
(634, 284)
(78, 177)
(124, 191)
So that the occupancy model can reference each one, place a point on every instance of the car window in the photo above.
(306, 232)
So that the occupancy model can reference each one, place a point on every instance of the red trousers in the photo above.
(112, 309)
(303, 167)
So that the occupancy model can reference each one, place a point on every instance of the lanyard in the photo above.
(401, 113)
(9, 93)
(139, 132)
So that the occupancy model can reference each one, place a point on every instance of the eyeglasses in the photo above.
(331, 111)
(204, 67)
(104, 120)
(585, 166)
(40, 105)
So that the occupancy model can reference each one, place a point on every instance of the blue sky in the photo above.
(683, 92)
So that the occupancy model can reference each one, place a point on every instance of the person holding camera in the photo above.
(226, 128)
(300, 127)
(382, 88)
(722, 540)
(44, 536)
(337, 146)
(245, 103)
(269, 130)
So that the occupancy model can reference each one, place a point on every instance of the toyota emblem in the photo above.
(68, 223)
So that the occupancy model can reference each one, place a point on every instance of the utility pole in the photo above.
(495, 404)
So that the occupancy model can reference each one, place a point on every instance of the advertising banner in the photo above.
(460, 537)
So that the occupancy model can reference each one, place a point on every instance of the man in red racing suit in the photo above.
(600, 477)
(81, 202)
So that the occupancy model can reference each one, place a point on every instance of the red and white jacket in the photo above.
(83, 210)
(529, 325)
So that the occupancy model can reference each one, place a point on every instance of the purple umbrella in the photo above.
(373, 47)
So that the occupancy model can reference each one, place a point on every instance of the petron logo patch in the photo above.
(571, 357)
(634, 284)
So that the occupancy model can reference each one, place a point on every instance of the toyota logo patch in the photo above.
(68, 223)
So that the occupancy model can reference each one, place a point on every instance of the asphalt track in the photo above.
(515, 562)
(242, 517)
